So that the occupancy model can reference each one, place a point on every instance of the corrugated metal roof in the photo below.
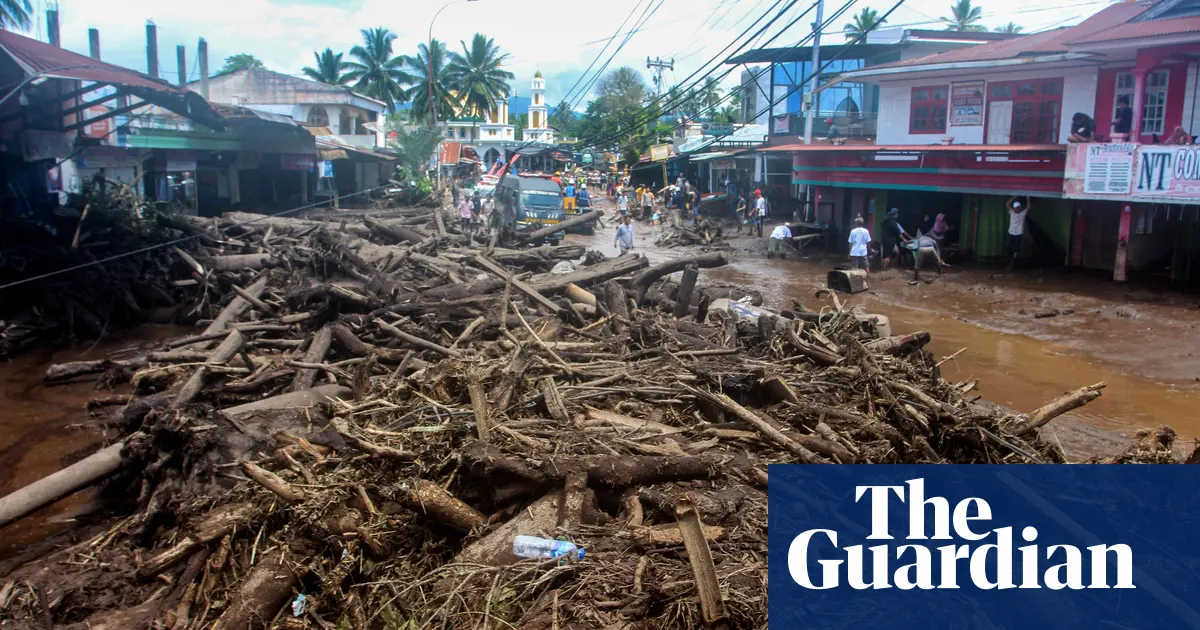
(1047, 42)
(1010, 148)
(325, 145)
(41, 58)
(1134, 30)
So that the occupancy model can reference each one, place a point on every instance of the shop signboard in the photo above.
(1153, 173)
(297, 162)
(966, 103)
(716, 128)
(660, 152)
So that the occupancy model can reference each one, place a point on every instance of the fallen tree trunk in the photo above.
(49, 489)
(236, 307)
(305, 377)
(291, 400)
(643, 280)
(588, 276)
(264, 591)
(397, 233)
(1061, 405)
(223, 353)
(234, 262)
(549, 230)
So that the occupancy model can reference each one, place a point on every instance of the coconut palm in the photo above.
(864, 21)
(329, 69)
(430, 78)
(1012, 28)
(708, 98)
(375, 71)
(964, 17)
(15, 13)
(478, 76)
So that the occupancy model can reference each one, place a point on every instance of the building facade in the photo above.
(345, 113)
(960, 132)
(493, 137)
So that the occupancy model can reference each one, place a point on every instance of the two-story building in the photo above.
(961, 131)
(493, 137)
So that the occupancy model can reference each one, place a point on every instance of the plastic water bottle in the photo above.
(534, 547)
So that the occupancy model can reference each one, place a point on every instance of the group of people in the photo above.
(895, 236)
(1083, 127)
(476, 212)
(752, 212)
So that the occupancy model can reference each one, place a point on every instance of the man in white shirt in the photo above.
(760, 211)
(860, 239)
(1017, 211)
(780, 239)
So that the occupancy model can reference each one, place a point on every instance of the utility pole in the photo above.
(816, 70)
(657, 65)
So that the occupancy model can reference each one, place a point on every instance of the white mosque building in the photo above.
(495, 137)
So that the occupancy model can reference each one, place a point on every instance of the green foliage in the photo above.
(964, 17)
(376, 72)
(864, 21)
(429, 57)
(563, 119)
(621, 89)
(1012, 28)
(330, 68)
(15, 13)
(519, 123)
(241, 61)
(478, 77)
(415, 145)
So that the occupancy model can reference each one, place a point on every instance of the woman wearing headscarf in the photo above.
(940, 228)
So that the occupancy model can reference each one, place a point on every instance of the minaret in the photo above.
(537, 104)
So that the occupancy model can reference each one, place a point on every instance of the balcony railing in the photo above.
(860, 125)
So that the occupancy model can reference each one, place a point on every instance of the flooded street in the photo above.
(1020, 362)
(44, 427)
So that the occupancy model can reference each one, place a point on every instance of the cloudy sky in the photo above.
(559, 38)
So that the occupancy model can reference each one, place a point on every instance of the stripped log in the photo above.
(642, 281)
(47, 490)
(1061, 405)
(305, 377)
(222, 354)
(236, 307)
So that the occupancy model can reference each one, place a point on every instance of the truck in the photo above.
(529, 203)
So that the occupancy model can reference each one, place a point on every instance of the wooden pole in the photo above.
(52, 32)
(686, 286)
(60, 484)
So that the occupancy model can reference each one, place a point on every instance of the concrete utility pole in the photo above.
(816, 69)
(181, 59)
(657, 65)
(151, 50)
(202, 57)
(94, 43)
(52, 28)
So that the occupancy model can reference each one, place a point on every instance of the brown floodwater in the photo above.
(1018, 371)
(44, 426)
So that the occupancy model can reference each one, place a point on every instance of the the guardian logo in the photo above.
(975, 553)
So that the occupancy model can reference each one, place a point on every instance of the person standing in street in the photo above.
(893, 236)
(485, 214)
(624, 239)
(647, 203)
(466, 211)
(760, 211)
(622, 203)
(779, 242)
(569, 197)
(1016, 228)
(860, 240)
(742, 214)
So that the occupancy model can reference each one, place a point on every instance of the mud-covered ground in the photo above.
(1139, 337)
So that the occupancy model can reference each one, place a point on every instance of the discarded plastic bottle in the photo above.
(534, 547)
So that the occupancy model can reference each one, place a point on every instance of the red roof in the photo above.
(1149, 28)
(1048, 42)
(1009, 148)
(41, 58)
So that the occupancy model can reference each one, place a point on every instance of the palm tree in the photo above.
(864, 21)
(330, 68)
(1012, 28)
(708, 98)
(964, 17)
(376, 73)
(15, 13)
(426, 82)
(477, 76)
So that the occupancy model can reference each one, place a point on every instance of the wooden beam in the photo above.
(77, 108)
(520, 285)
(116, 112)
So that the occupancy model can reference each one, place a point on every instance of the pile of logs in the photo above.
(374, 413)
(706, 233)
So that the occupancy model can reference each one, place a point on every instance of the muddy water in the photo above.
(1013, 370)
(43, 427)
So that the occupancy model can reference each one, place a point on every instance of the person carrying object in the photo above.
(893, 236)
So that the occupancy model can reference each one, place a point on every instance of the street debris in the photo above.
(706, 232)
(379, 421)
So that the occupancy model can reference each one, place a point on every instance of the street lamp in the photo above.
(429, 55)
(429, 82)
